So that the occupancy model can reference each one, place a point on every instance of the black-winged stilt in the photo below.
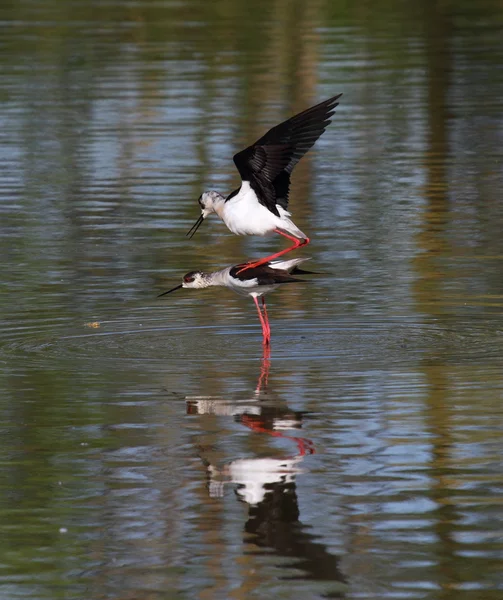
(259, 206)
(254, 282)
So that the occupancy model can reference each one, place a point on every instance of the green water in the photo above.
(149, 450)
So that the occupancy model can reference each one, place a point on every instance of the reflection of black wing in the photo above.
(268, 163)
(263, 274)
(274, 524)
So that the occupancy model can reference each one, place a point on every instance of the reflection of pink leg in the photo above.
(296, 244)
(264, 369)
(305, 445)
(266, 332)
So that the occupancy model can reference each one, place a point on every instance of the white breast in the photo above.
(250, 287)
(244, 215)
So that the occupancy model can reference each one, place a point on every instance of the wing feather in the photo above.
(269, 162)
(264, 275)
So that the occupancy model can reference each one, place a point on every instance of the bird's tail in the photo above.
(297, 271)
(291, 266)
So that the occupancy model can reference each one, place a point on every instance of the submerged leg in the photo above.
(296, 244)
(266, 332)
(266, 318)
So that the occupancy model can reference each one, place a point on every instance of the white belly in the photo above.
(244, 215)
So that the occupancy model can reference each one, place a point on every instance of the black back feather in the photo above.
(264, 275)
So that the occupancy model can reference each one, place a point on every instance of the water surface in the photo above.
(150, 450)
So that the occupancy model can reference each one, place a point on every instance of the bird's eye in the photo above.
(189, 278)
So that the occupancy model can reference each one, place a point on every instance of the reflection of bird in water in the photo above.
(255, 282)
(261, 416)
(267, 485)
(259, 206)
(254, 475)
(274, 524)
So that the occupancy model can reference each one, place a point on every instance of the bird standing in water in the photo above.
(259, 206)
(254, 282)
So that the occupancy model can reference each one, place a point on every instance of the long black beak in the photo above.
(195, 227)
(169, 291)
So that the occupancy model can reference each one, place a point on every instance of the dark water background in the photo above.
(147, 450)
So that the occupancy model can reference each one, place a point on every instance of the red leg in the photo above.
(296, 244)
(266, 318)
(266, 333)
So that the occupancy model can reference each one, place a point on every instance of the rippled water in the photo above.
(150, 450)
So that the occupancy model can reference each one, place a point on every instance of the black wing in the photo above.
(268, 163)
(263, 274)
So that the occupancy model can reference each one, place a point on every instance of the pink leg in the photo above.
(296, 244)
(266, 318)
(266, 332)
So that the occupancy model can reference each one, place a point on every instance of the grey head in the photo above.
(208, 201)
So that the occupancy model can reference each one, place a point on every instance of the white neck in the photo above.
(218, 204)
(218, 277)
(205, 280)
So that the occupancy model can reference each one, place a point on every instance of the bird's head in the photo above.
(209, 202)
(194, 279)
